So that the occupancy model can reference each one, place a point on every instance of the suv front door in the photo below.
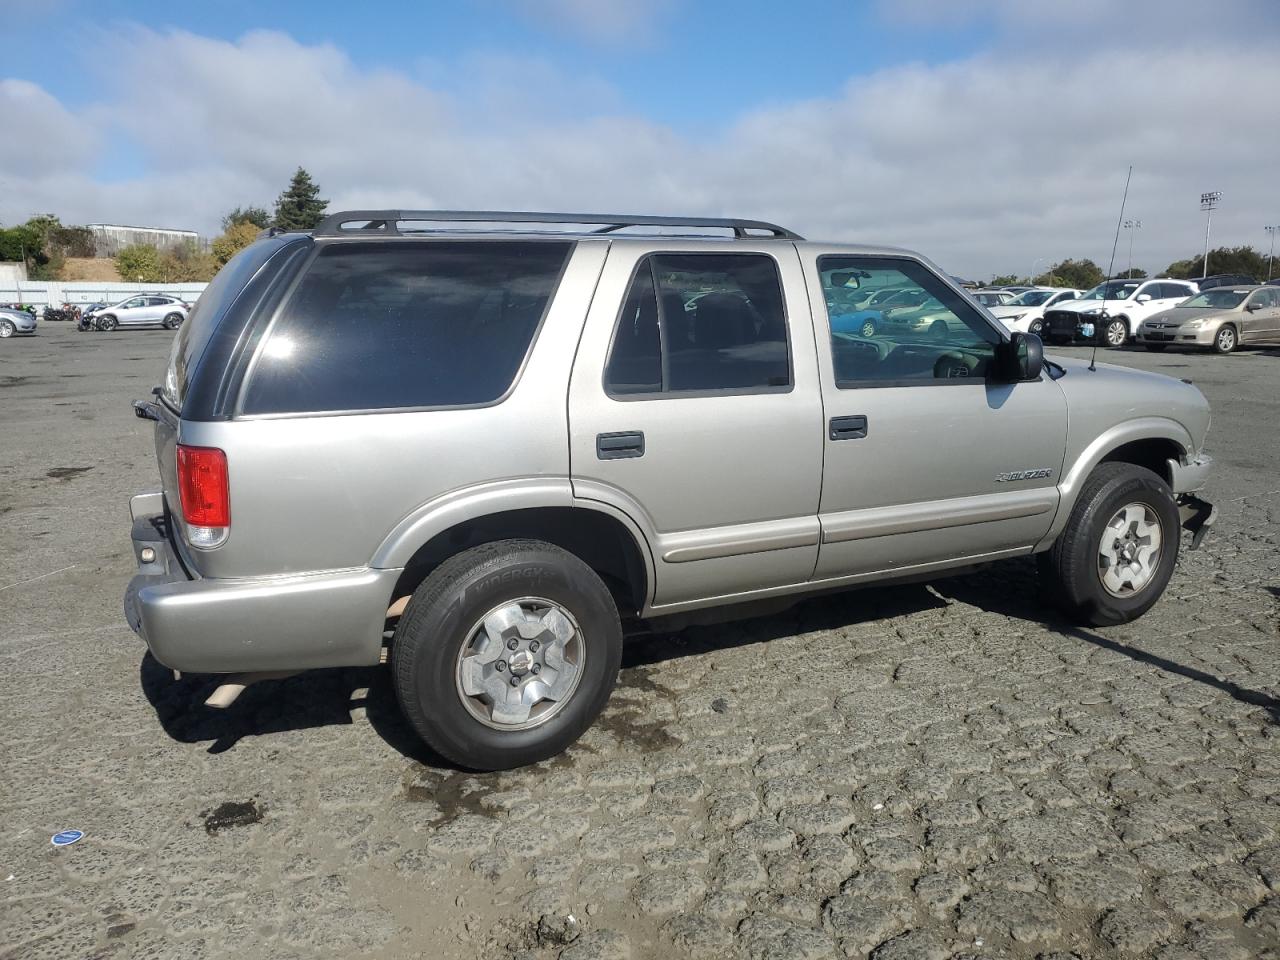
(132, 312)
(694, 409)
(928, 462)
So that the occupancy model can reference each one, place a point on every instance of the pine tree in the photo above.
(299, 207)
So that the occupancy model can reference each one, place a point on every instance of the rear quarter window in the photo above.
(406, 324)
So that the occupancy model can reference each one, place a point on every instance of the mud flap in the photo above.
(1197, 517)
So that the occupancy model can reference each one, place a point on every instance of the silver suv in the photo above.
(144, 310)
(475, 444)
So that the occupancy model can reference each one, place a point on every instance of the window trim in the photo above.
(1002, 335)
(646, 259)
(317, 250)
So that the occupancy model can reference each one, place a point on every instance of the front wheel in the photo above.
(1225, 341)
(868, 328)
(938, 330)
(1115, 557)
(7, 329)
(1116, 333)
(106, 324)
(506, 654)
(1036, 327)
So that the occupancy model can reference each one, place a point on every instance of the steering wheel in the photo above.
(954, 365)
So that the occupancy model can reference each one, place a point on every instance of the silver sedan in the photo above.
(14, 322)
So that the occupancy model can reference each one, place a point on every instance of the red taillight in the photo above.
(202, 484)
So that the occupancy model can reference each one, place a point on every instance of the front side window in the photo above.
(931, 334)
(1032, 298)
(1215, 300)
(1112, 290)
(406, 324)
(701, 322)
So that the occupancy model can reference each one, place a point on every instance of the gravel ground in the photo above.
(923, 772)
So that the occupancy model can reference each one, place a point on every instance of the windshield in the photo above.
(1113, 290)
(1217, 299)
(1032, 298)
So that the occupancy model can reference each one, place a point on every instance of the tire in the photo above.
(1225, 340)
(106, 324)
(442, 643)
(1116, 332)
(938, 330)
(1156, 347)
(1036, 327)
(868, 328)
(1073, 568)
(172, 321)
(7, 329)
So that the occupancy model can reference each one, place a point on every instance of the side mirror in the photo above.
(1020, 358)
(1251, 307)
(1143, 297)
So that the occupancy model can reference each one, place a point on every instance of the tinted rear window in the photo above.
(408, 324)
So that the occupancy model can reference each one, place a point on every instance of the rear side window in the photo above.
(377, 326)
(701, 323)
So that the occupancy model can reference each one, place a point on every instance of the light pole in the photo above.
(1131, 226)
(1037, 260)
(1207, 202)
(1272, 255)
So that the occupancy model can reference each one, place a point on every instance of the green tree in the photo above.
(299, 207)
(187, 264)
(1081, 274)
(140, 262)
(1244, 260)
(1137, 273)
(1004, 280)
(236, 238)
(257, 216)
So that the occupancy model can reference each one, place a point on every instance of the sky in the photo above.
(992, 135)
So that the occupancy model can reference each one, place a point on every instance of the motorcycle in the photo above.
(66, 312)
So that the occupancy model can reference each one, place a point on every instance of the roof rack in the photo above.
(386, 222)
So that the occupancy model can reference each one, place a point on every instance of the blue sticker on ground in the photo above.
(66, 837)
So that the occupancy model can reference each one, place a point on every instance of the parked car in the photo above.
(1115, 309)
(1226, 280)
(1025, 312)
(993, 298)
(495, 448)
(144, 310)
(1221, 318)
(14, 322)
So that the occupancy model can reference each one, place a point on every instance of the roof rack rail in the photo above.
(386, 222)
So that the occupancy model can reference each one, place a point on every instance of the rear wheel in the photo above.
(1117, 553)
(7, 329)
(506, 654)
(1116, 332)
(173, 321)
(107, 323)
(1225, 341)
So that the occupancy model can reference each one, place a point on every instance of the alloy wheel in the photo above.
(1130, 549)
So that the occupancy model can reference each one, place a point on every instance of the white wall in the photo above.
(45, 292)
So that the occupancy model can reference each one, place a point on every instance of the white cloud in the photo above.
(598, 21)
(985, 164)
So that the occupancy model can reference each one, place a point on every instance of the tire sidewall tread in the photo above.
(1071, 564)
(446, 605)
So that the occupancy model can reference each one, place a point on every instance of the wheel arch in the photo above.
(600, 535)
(1149, 442)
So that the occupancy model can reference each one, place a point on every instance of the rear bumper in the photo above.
(332, 618)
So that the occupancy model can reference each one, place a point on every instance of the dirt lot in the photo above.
(942, 771)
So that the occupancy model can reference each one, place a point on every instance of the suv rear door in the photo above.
(926, 461)
(694, 408)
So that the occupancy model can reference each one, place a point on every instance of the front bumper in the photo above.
(1171, 336)
(332, 618)
(1197, 515)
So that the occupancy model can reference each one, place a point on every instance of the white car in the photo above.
(1025, 312)
(1115, 309)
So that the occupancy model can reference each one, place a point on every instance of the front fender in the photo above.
(1074, 473)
